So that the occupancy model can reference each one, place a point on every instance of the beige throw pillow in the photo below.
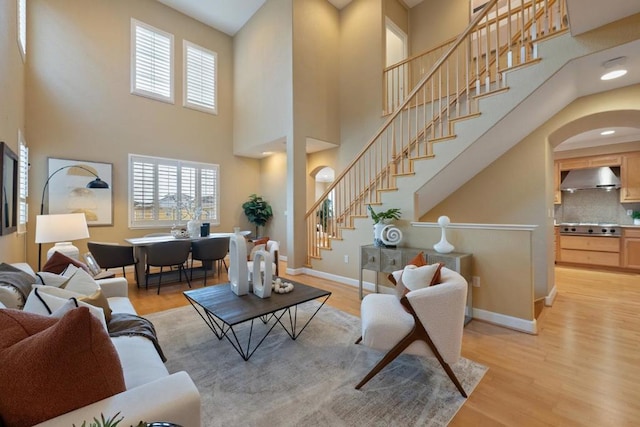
(415, 278)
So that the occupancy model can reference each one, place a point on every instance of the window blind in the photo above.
(152, 62)
(23, 184)
(164, 192)
(22, 27)
(200, 77)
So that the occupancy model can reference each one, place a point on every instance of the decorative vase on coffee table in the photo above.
(238, 272)
(262, 280)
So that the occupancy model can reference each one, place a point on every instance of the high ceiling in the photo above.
(229, 16)
(584, 15)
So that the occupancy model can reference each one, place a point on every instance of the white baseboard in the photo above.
(521, 325)
(549, 299)
(515, 323)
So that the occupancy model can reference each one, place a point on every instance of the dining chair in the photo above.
(209, 251)
(112, 255)
(168, 254)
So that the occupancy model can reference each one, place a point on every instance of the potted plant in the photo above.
(380, 223)
(384, 216)
(257, 210)
(636, 217)
(325, 213)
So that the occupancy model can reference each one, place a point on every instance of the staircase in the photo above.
(419, 139)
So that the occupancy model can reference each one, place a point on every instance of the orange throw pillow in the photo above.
(50, 367)
(261, 241)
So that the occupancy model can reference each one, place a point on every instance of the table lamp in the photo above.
(61, 229)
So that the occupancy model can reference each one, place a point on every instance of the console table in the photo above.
(388, 260)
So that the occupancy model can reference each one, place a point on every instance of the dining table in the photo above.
(140, 245)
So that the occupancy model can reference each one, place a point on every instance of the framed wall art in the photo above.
(9, 188)
(81, 186)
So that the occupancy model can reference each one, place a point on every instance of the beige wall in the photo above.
(398, 13)
(263, 75)
(361, 64)
(12, 246)
(434, 21)
(79, 105)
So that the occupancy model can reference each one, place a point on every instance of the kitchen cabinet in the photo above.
(590, 162)
(630, 178)
(631, 248)
(597, 250)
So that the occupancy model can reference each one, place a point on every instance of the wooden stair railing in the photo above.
(500, 37)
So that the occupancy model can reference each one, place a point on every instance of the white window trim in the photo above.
(22, 28)
(23, 184)
(197, 106)
(162, 223)
(145, 93)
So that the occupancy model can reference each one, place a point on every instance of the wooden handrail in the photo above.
(474, 62)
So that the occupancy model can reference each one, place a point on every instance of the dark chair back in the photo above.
(210, 249)
(111, 255)
(168, 253)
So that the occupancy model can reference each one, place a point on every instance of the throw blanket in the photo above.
(125, 324)
(16, 278)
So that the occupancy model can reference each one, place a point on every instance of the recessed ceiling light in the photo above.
(614, 68)
(267, 153)
(607, 132)
(613, 74)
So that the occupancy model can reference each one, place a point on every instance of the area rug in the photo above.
(309, 381)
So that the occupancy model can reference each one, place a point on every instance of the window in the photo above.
(22, 27)
(163, 192)
(151, 62)
(199, 78)
(23, 184)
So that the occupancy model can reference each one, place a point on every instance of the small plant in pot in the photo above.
(636, 217)
(384, 217)
(380, 221)
(258, 211)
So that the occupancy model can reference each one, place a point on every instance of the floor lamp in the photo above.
(49, 230)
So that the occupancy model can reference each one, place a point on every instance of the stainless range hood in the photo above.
(586, 179)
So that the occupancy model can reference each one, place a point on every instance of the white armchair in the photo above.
(424, 322)
(272, 246)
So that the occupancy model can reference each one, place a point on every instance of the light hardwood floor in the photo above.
(583, 368)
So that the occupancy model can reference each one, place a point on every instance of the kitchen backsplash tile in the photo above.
(593, 206)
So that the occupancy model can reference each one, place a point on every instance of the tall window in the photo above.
(163, 192)
(199, 78)
(22, 27)
(151, 62)
(23, 184)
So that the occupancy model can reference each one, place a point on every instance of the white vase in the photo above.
(238, 272)
(386, 235)
(193, 227)
(262, 280)
(443, 246)
(636, 221)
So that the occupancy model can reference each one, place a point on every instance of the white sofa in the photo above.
(152, 393)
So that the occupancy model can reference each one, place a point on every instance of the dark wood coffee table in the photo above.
(222, 311)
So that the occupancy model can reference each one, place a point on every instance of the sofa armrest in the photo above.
(115, 287)
(174, 398)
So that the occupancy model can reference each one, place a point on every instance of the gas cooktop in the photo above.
(590, 229)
